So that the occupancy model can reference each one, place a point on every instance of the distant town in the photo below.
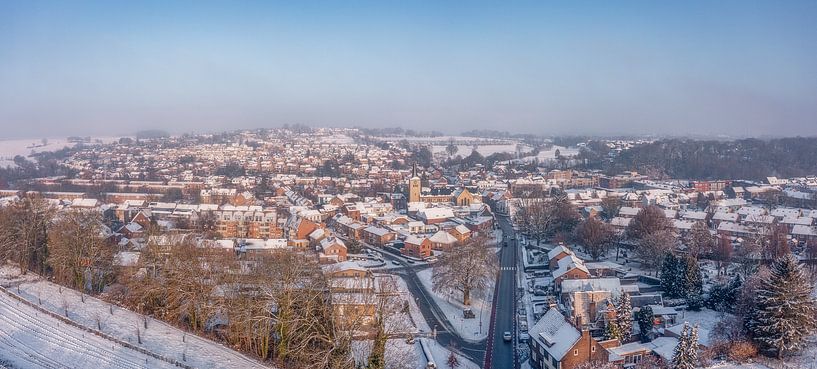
(304, 247)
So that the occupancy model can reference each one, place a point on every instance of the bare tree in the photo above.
(610, 206)
(79, 254)
(535, 217)
(24, 233)
(654, 246)
(723, 254)
(470, 267)
(595, 235)
(699, 241)
(451, 148)
(648, 221)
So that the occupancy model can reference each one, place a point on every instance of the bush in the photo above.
(742, 351)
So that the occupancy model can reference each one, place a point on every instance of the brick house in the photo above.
(417, 247)
(557, 344)
(377, 236)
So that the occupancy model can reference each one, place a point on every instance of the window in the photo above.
(592, 348)
(576, 352)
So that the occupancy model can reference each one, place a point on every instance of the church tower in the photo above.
(414, 186)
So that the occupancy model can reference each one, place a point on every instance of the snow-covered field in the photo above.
(32, 339)
(25, 147)
(159, 338)
(452, 308)
(484, 150)
(550, 154)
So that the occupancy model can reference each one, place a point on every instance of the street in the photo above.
(433, 315)
(503, 353)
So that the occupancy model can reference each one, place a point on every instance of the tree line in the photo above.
(752, 159)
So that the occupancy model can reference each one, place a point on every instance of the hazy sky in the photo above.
(600, 67)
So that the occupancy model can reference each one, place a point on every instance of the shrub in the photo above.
(742, 351)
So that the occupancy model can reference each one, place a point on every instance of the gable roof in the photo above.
(555, 333)
(443, 237)
(558, 250)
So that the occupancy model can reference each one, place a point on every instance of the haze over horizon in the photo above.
(738, 68)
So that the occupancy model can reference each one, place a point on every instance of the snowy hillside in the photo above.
(30, 338)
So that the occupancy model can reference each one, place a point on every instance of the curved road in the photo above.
(446, 336)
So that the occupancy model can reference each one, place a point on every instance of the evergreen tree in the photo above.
(612, 330)
(681, 277)
(724, 296)
(686, 352)
(669, 276)
(644, 319)
(784, 311)
(695, 301)
(624, 316)
(692, 281)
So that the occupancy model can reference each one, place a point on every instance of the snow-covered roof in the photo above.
(462, 229)
(628, 211)
(806, 221)
(343, 266)
(612, 285)
(569, 263)
(414, 240)
(558, 250)
(620, 221)
(443, 237)
(695, 215)
(803, 230)
(555, 333)
(729, 217)
(436, 213)
(377, 230)
(732, 227)
(683, 224)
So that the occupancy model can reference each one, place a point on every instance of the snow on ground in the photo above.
(550, 154)
(403, 355)
(417, 318)
(337, 139)
(452, 307)
(440, 355)
(399, 353)
(31, 339)
(159, 338)
(25, 147)
(737, 366)
(484, 150)
(705, 319)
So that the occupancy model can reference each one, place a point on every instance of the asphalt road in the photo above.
(504, 353)
(432, 313)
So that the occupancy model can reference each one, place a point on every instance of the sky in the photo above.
(738, 68)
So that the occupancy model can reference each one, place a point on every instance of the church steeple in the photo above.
(414, 185)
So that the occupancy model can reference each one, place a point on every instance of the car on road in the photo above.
(507, 336)
(395, 262)
(410, 261)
